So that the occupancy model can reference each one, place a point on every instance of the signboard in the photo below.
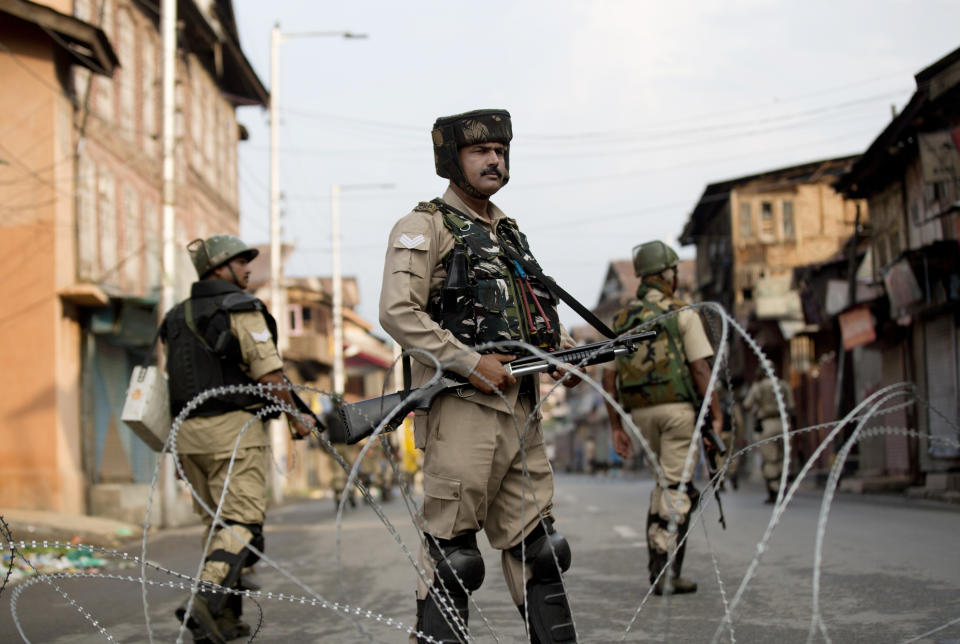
(940, 155)
(857, 328)
(902, 287)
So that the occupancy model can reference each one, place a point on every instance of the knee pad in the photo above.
(256, 540)
(457, 561)
(539, 549)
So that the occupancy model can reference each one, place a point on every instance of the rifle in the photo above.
(711, 436)
(361, 418)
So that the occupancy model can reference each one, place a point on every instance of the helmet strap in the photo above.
(236, 280)
(461, 182)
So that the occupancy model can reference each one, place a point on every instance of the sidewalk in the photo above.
(38, 525)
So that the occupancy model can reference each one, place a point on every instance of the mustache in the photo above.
(494, 169)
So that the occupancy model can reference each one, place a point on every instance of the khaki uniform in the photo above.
(669, 429)
(473, 465)
(205, 445)
(761, 402)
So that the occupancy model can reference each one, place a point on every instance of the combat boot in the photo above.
(232, 627)
(674, 586)
(201, 622)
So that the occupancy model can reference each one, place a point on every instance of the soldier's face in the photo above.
(484, 166)
(235, 271)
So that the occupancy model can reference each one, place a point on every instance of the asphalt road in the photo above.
(889, 573)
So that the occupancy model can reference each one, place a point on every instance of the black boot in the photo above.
(441, 624)
(201, 621)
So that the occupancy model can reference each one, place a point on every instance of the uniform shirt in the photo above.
(217, 434)
(412, 270)
(762, 401)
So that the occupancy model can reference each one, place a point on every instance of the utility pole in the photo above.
(168, 26)
(276, 265)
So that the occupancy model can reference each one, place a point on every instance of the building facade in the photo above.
(80, 184)
(907, 330)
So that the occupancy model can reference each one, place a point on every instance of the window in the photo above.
(132, 250)
(354, 385)
(746, 221)
(151, 234)
(87, 244)
(789, 229)
(295, 316)
(107, 221)
(766, 219)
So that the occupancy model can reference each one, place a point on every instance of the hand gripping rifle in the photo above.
(360, 419)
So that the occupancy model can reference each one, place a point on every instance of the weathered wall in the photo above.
(39, 462)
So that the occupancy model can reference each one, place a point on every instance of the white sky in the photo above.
(623, 111)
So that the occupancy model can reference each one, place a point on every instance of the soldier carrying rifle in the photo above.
(457, 275)
(661, 386)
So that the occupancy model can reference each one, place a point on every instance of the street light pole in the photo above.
(278, 434)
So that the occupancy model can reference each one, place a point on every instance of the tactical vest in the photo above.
(500, 301)
(202, 351)
(657, 372)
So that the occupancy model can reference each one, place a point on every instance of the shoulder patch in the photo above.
(260, 336)
(426, 206)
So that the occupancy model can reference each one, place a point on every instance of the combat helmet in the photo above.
(652, 257)
(216, 251)
(450, 133)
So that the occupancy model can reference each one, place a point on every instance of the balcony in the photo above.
(310, 346)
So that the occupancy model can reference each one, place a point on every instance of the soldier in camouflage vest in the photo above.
(452, 282)
(661, 385)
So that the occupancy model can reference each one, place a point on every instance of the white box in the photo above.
(147, 408)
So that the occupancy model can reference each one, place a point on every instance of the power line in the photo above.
(620, 134)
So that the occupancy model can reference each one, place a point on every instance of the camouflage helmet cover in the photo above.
(450, 133)
(216, 251)
(652, 257)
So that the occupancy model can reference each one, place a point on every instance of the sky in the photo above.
(623, 111)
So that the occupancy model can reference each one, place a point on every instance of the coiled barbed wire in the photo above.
(871, 408)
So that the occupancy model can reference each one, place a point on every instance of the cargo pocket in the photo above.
(441, 504)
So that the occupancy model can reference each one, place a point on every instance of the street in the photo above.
(889, 574)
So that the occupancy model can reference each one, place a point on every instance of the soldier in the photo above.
(761, 403)
(223, 336)
(661, 386)
(452, 281)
